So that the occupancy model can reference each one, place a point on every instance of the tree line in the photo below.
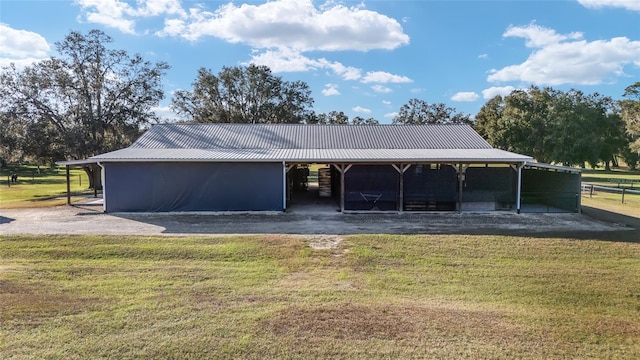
(91, 99)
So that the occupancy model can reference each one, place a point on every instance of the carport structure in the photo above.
(250, 167)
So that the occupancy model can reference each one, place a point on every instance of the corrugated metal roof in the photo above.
(298, 136)
(314, 155)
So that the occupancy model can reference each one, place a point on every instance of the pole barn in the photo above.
(260, 167)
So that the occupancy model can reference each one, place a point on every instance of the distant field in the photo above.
(617, 178)
(35, 189)
(274, 297)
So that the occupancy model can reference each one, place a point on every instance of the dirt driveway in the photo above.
(89, 219)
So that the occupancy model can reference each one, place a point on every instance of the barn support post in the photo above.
(68, 186)
(284, 186)
(400, 168)
(342, 169)
(519, 190)
(104, 186)
(95, 180)
(461, 170)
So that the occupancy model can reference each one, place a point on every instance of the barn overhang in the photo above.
(91, 163)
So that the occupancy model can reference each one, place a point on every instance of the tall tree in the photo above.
(239, 94)
(418, 111)
(553, 126)
(362, 121)
(89, 100)
(631, 116)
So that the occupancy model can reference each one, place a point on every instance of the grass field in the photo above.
(616, 178)
(39, 189)
(453, 296)
(613, 201)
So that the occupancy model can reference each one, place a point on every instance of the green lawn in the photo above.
(260, 297)
(35, 189)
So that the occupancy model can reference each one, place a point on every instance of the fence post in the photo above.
(8, 181)
(591, 192)
(623, 189)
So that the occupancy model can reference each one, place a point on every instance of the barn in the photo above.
(261, 167)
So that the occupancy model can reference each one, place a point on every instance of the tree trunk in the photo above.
(94, 174)
(607, 167)
(614, 162)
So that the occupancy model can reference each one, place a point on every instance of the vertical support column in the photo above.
(401, 170)
(401, 195)
(284, 186)
(461, 171)
(68, 186)
(95, 180)
(460, 184)
(104, 186)
(519, 191)
(342, 169)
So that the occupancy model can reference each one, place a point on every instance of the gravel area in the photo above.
(88, 218)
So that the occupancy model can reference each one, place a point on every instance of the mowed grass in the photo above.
(613, 202)
(274, 297)
(41, 189)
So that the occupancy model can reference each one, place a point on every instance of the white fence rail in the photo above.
(590, 188)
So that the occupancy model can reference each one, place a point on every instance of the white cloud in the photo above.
(568, 59)
(492, 92)
(598, 4)
(296, 24)
(381, 89)
(110, 13)
(21, 44)
(285, 60)
(483, 56)
(360, 109)
(288, 60)
(538, 36)
(386, 102)
(330, 90)
(160, 7)
(391, 115)
(165, 113)
(121, 15)
(384, 77)
(465, 96)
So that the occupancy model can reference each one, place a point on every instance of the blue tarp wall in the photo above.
(550, 191)
(185, 186)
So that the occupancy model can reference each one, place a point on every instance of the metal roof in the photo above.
(537, 165)
(314, 155)
(298, 136)
(311, 143)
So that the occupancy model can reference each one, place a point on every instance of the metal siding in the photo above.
(170, 186)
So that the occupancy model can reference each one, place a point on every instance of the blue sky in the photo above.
(366, 58)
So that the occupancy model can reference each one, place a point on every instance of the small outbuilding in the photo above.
(257, 167)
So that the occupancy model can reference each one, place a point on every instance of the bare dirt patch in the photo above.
(323, 242)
